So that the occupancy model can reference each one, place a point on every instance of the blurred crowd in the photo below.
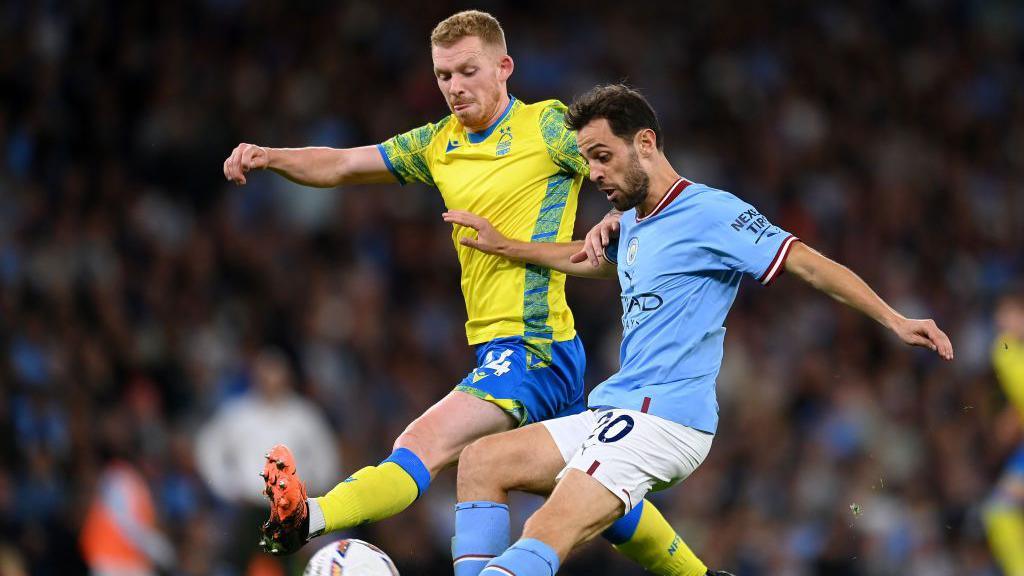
(151, 313)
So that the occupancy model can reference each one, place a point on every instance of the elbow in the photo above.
(804, 272)
(810, 266)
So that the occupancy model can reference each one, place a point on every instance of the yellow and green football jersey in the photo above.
(524, 175)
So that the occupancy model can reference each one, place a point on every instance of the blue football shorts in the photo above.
(1015, 465)
(530, 381)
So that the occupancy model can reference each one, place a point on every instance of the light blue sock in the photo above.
(481, 533)
(527, 557)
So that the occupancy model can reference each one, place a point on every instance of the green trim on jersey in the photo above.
(560, 141)
(535, 294)
(406, 152)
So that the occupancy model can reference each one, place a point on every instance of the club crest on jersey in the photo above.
(504, 142)
(634, 245)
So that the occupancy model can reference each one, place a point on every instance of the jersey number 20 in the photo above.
(616, 429)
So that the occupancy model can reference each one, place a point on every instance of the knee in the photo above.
(428, 448)
(479, 464)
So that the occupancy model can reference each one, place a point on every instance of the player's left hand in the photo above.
(926, 334)
(598, 239)
(488, 239)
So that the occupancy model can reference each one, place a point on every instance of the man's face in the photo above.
(272, 376)
(471, 76)
(1010, 317)
(614, 165)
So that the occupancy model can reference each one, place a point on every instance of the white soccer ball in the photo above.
(350, 558)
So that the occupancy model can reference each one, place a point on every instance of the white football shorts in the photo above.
(630, 453)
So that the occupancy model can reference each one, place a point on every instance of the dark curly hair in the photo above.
(625, 109)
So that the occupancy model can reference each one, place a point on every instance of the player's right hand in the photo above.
(488, 240)
(598, 239)
(924, 333)
(245, 157)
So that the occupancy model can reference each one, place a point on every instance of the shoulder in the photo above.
(544, 107)
(438, 130)
(552, 113)
(709, 197)
(445, 123)
(714, 203)
(549, 115)
(553, 105)
(422, 136)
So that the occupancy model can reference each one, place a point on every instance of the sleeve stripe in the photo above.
(387, 162)
(780, 258)
(608, 256)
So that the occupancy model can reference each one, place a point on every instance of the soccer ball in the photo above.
(350, 558)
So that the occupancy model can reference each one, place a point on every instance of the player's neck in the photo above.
(661, 181)
(499, 111)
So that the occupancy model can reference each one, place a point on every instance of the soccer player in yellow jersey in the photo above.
(1004, 514)
(517, 165)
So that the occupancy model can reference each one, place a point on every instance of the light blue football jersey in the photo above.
(680, 269)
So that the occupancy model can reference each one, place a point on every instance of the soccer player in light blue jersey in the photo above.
(682, 250)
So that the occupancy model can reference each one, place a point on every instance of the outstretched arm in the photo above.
(553, 255)
(842, 284)
(317, 166)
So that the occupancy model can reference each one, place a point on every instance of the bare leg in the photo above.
(526, 459)
(429, 444)
(578, 509)
(446, 428)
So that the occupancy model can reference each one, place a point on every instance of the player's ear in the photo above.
(505, 67)
(646, 142)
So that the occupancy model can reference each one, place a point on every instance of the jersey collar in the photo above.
(674, 190)
(478, 137)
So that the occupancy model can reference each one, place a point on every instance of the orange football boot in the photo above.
(287, 529)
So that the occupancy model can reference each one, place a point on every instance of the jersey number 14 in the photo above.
(500, 365)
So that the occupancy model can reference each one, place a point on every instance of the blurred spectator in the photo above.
(230, 448)
(1004, 512)
(120, 535)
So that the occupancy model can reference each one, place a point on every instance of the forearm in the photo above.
(328, 167)
(840, 283)
(315, 166)
(845, 286)
(555, 255)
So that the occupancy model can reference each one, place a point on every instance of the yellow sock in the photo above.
(656, 546)
(375, 492)
(1005, 527)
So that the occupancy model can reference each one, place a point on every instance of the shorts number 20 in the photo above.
(616, 429)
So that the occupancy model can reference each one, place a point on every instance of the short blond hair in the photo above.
(468, 23)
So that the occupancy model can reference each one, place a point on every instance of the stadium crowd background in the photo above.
(140, 294)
